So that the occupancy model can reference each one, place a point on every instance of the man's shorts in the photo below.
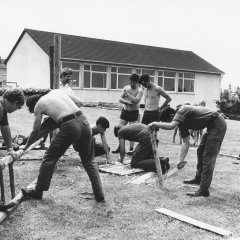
(129, 116)
(150, 116)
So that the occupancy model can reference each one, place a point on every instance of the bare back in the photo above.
(57, 104)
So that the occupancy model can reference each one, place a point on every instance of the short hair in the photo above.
(15, 95)
(103, 122)
(166, 114)
(32, 101)
(66, 71)
(134, 77)
(116, 130)
(144, 78)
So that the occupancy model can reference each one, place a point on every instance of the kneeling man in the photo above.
(143, 156)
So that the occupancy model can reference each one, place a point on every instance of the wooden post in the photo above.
(2, 186)
(57, 56)
(51, 64)
(153, 136)
(11, 177)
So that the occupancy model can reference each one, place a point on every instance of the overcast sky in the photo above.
(209, 28)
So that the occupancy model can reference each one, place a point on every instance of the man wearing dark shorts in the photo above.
(152, 93)
(143, 156)
(130, 98)
(197, 118)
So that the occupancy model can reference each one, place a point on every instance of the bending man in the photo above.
(63, 111)
(197, 118)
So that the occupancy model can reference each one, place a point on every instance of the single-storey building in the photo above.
(3, 72)
(102, 67)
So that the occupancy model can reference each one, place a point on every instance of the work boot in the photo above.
(164, 164)
(99, 199)
(199, 193)
(117, 150)
(193, 181)
(31, 193)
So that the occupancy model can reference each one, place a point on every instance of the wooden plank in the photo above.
(5, 161)
(11, 180)
(142, 178)
(153, 136)
(195, 222)
(2, 186)
(120, 170)
(16, 201)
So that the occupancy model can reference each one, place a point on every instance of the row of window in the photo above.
(96, 76)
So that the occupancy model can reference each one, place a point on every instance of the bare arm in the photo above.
(6, 134)
(122, 99)
(36, 128)
(162, 125)
(166, 96)
(105, 145)
(76, 100)
(122, 149)
(184, 148)
(138, 97)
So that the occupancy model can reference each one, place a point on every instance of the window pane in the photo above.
(148, 71)
(75, 66)
(180, 85)
(86, 81)
(152, 79)
(188, 86)
(113, 81)
(99, 80)
(113, 69)
(123, 80)
(169, 74)
(75, 79)
(160, 73)
(125, 70)
(139, 71)
(160, 81)
(169, 84)
(189, 75)
(99, 68)
(86, 67)
(180, 75)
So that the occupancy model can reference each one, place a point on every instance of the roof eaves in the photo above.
(14, 47)
(138, 65)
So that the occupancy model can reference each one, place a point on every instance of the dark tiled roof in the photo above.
(98, 50)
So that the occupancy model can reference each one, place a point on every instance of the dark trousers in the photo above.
(143, 154)
(208, 150)
(75, 131)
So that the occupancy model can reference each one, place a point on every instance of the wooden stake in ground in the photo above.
(153, 136)
(194, 222)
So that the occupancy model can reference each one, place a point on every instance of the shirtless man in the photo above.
(130, 98)
(152, 93)
(63, 111)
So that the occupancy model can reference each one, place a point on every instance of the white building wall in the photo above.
(29, 65)
(207, 87)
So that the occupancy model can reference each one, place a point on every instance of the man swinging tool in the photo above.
(197, 118)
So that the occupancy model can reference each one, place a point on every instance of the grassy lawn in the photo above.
(65, 214)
